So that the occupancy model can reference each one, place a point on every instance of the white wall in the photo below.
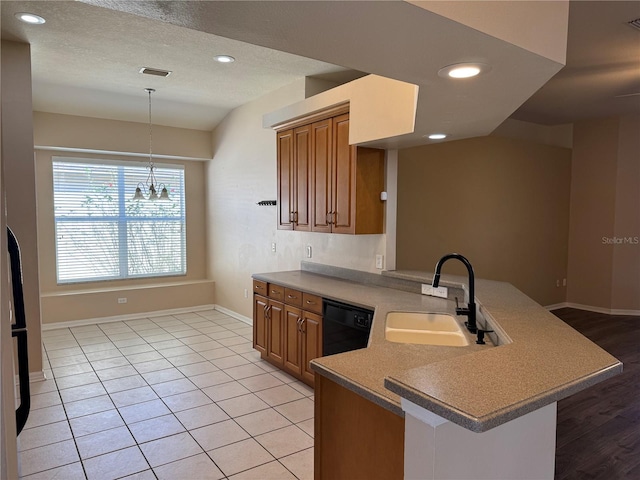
(239, 232)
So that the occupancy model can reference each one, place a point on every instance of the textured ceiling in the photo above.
(85, 59)
(603, 67)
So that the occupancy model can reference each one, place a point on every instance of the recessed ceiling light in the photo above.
(224, 58)
(30, 18)
(436, 136)
(464, 70)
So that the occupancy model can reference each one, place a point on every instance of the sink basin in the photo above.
(424, 329)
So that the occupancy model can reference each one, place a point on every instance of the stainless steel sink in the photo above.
(424, 329)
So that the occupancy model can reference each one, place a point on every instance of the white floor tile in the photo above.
(184, 401)
(242, 405)
(200, 467)
(104, 442)
(224, 391)
(219, 434)
(279, 395)
(96, 422)
(260, 382)
(73, 471)
(201, 416)
(44, 435)
(89, 406)
(285, 441)
(76, 380)
(209, 379)
(169, 449)
(240, 456)
(263, 421)
(45, 416)
(297, 411)
(143, 411)
(156, 428)
(153, 365)
(124, 383)
(47, 457)
(82, 392)
(268, 471)
(115, 464)
(133, 396)
(173, 387)
(198, 368)
(301, 464)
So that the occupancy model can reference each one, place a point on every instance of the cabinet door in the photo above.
(321, 153)
(286, 180)
(302, 177)
(275, 335)
(292, 336)
(260, 305)
(343, 177)
(311, 343)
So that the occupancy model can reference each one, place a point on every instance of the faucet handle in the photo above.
(481, 333)
(457, 305)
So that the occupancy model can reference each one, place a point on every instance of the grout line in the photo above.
(177, 322)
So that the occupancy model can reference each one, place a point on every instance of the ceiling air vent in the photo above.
(635, 23)
(155, 71)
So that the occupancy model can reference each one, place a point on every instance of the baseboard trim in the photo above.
(127, 317)
(556, 306)
(591, 308)
(33, 377)
(235, 315)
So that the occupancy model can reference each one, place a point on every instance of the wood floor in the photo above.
(598, 434)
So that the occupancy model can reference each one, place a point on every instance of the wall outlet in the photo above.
(379, 261)
(441, 292)
(557, 283)
(309, 251)
(246, 293)
(564, 282)
(122, 300)
(273, 247)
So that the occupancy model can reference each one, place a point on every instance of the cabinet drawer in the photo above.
(293, 297)
(260, 287)
(276, 292)
(312, 303)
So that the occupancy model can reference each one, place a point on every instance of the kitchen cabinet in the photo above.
(294, 178)
(325, 184)
(287, 328)
(355, 438)
(268, 322)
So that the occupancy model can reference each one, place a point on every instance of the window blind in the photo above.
(103, 234)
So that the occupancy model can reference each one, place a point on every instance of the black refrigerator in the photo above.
(19, 329)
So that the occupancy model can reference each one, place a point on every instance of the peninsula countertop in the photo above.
(538, 360)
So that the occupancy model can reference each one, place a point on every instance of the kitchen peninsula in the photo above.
(478, 392)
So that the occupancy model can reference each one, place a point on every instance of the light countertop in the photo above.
(538, 360)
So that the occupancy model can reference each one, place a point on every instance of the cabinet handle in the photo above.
(334, 215)
(274, 291)
(302, 323)
(291, 216)
(291, 296)
(295, 217)
(328, 218)
(309, 302)
(267, 312)
(298, 322)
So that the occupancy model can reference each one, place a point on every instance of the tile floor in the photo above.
(172, 397)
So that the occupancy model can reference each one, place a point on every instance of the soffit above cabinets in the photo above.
(397, 40)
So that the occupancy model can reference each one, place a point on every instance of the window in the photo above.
(103, 234)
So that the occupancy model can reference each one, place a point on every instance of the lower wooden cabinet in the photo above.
(355, 438)
(286, 334)
(303, 338)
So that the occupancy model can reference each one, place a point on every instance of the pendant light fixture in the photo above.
(151, 183)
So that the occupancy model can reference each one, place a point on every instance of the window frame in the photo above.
(121, 219)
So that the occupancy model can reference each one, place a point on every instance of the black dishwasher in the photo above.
(344, 327)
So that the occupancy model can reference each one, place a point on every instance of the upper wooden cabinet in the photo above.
(327, 185)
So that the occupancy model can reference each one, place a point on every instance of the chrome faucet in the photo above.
(470, 311)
